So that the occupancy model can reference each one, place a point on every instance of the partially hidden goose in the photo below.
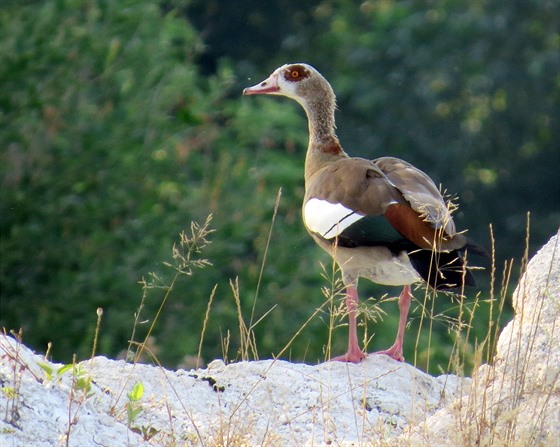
(381, 219)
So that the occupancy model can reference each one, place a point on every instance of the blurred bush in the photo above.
(120, 123)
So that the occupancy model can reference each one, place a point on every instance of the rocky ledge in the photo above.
(103, 402)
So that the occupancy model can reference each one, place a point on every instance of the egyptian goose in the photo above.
(381, 219)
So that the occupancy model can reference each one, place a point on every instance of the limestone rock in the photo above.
(263, 403)
(515, 401)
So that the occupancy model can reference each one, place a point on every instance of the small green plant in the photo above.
(54, 374)
(81, 380)
(134, 409)
(11, 411)
(9, 392)
(81, 384)
(133, 406)
(80, 389)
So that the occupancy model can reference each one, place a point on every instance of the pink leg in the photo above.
(354, 354)
(396, 351)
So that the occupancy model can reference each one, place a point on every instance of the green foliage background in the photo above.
(120, 122)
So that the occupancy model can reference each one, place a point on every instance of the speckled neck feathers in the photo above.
(319, 103)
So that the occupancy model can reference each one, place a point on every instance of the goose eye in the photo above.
(296, 73)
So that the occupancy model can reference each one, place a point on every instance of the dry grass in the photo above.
(487, 417)
(473, 426)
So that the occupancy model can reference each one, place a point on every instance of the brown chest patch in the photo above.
(333, 148)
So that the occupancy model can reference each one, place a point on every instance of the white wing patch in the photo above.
(328, 219)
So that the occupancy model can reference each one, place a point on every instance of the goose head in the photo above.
(300, 82)
(304, 84)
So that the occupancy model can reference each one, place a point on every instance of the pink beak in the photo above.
(269, 85)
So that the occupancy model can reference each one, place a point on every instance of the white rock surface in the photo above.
(515, 402)
(269, 403)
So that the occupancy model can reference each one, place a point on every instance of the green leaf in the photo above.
(84, 384)
(137, 392)
(133, 412)
(64, 368)
(48, 370)
(9, 392)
